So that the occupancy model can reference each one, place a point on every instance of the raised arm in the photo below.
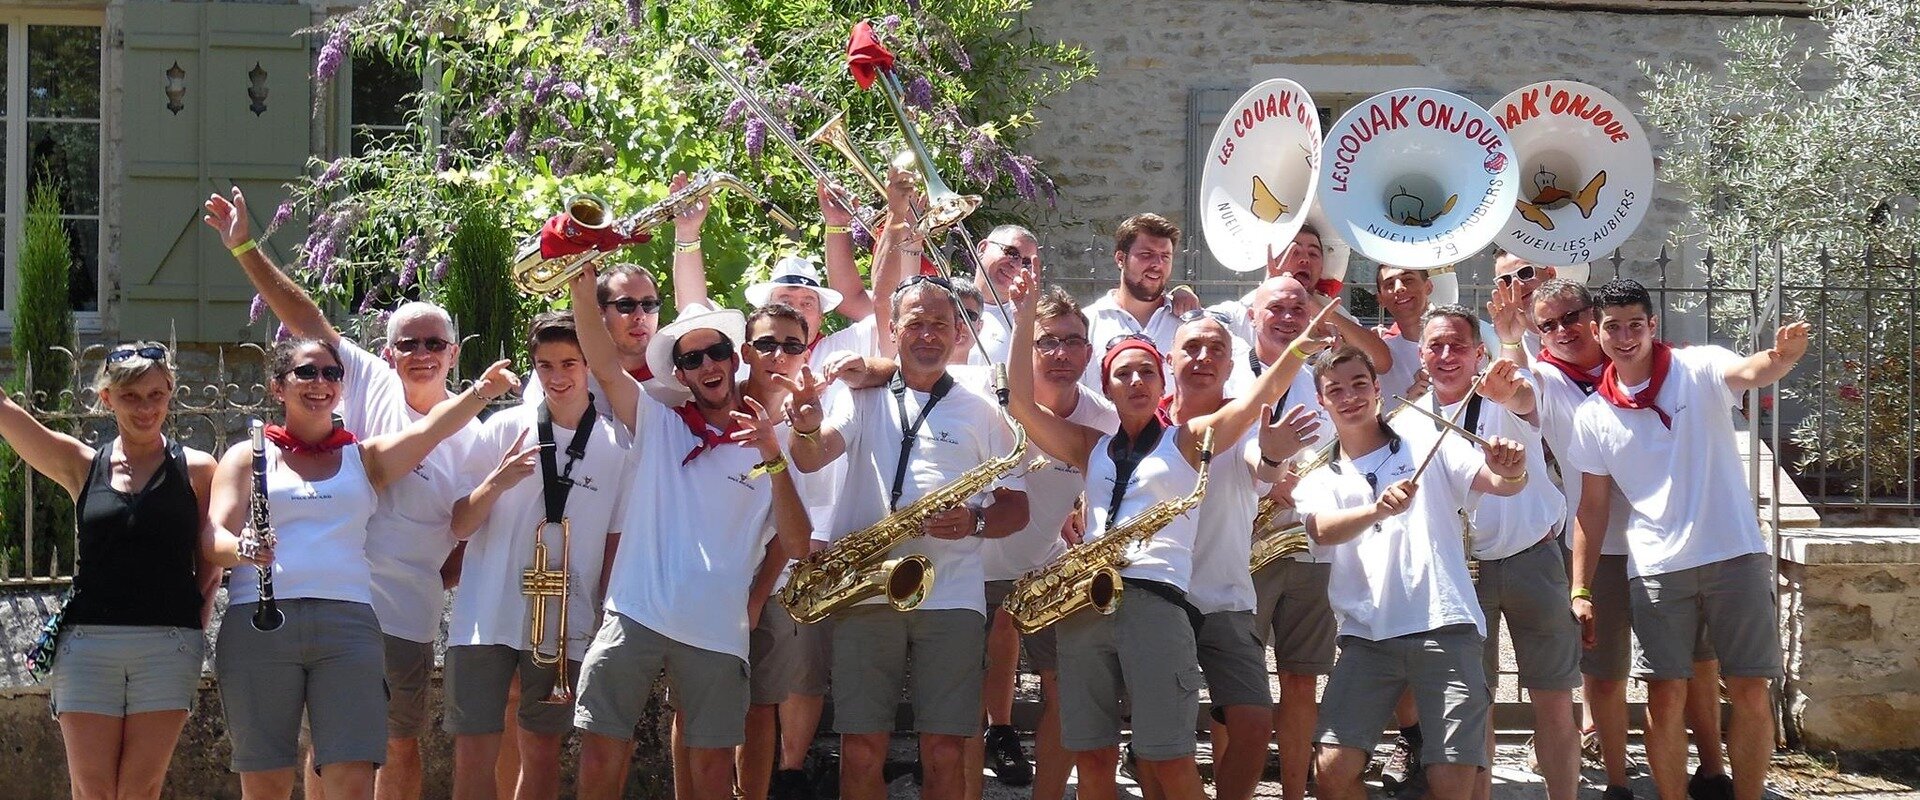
(1769, 366)
(1232, 420)
(393, 455)
(1509, 317)
(1507, 384)
(286, 299)
(689, 266)
(596, 343)
(815, 443)
(1505, 473)
(1069, 442)
(843, 270)
(56, 455)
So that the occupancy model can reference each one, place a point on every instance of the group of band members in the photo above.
(690, 464)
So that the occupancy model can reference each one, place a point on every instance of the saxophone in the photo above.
(1272, 541)
(1089, 575)
(856, 567)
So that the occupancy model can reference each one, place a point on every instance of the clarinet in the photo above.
(267, 616)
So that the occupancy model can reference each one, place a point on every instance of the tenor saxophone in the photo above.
(1088, 575)
(1271, 540)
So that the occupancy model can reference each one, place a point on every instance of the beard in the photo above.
(1138, 290)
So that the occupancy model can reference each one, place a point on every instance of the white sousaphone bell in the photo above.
(1417, 178)
(1586, 174)
(1258, 180)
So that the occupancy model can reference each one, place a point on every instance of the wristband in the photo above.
(1270, 462)
(1520, 478)
(243, 248)
(1582, 593)
(687, 247)
(838, 229)
(1301, 354)
(1516, 345)
(811, 436)
(772, 466)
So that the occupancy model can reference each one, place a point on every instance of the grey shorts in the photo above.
(1732, 599)
(1294, 615)
(122, 670)
(1043, 648)
(709, 687)
(1441, 667)
(786, 657)
(1144, 651)
(327, 661)
(1613, 653)
(1232, 660)
(1529, 589)
(478, 677)
(409, 673)
(871, 647)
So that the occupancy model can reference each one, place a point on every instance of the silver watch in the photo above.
(979, 522)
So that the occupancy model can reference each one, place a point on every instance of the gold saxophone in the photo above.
(1088, 575)
(1271, 542)
(856, 567)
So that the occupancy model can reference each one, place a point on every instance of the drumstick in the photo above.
(1471, 436)
(1452, 423)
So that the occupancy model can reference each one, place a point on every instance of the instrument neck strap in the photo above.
(1470, 422)
(1127, 453)
(908, 432)
(557, 482)
(1373, 477)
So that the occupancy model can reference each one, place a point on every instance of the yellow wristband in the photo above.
(1302, 354)
(772, 467)
(1510, 344)
(838, 229)
(1582, 593)
(687, 247)
(241, 249)
(811, 436)
(1520, 478)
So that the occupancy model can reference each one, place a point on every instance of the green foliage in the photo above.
(490, 316)
(41, 323)
(1831, 176)
(537, 100)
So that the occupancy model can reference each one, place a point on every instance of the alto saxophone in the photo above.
(1271, 540)
(856, 567)
(1088, 575)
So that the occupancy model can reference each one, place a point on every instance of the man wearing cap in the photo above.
(708, 478)
(902, 441)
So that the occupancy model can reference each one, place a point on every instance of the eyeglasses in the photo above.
(1525, 273)
(1055, 344)
(692, 359)
(309, 372)
(767, 344)
(627, 305)
(1567, 320)
(972, 315)
(1125, 336)
(1025, 260)
(152, 352)
(434, 345)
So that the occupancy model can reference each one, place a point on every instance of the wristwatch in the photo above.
(979, 522)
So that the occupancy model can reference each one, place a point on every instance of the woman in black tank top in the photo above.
(131, 642)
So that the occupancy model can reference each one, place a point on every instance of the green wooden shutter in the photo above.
(173, 272)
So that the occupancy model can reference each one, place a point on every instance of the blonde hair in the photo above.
(114, 374)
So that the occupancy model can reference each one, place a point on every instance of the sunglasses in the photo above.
(1201, 313)
(692, 359)
(433, 345)
(972, 315)
(920, 279)
(1055, 344)
(1525, 273)
(308, 372)
(1567, 320)
(1125, 336)
(767, 344)
(627, 305)
(152, 352)
(1025, 260)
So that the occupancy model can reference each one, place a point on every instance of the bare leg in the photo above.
(799, 721)
(973, 765)
(753, 761)
(1293, 722)
(1097, 781)
(683, 778)
(1340, 769)
(399, 778)
(1703, 716)
(1666, 737)
(470, 751)
(271, 784)
(1453, 781)
(603, 766)
(1003, 662)
(539, 765)
(93, 753)
(1052, 762)
(1237, 767)
(1178, 778)
(145, 750)
(940, 759)
(311, 786)
(348, 780)
(1607, 706)
(1752, 736)
(506, 764)
(863, 758)
(1556, 742)
(711, 769)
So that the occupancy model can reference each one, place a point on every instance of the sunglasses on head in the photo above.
(920, 279)
(152, 352)
(692, 359)
(308, 372)
(1201, 313)
(1125, 336)
(767, 344)
(433, 344)
(627, 305)
(1525, 273)
(1567, 320)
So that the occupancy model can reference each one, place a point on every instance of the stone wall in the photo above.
(1852, 632)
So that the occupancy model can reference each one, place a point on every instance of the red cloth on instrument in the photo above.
(560, 237)
(281, 437)
(866, 57)
(1574, 373)
(1610, 384)
(702, 431)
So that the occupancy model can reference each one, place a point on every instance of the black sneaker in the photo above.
(1127, 765)
(790, 784)
(1403, 766)
(1617, 793)
(1710, 787)
(1004, 756)
(826, 775)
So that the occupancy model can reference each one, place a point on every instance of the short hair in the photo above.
(280, 358)
(1454, 311)
(1057, 303)
(1563, 289)
(1144, 223)
(409, 311)
(938, 286)
(1622, 292)
(967, 291)
(779, 311)
(1308, 227)
(604, 295)
(551, 327)
(1341, 355)
(115, 374)
(1019, 231)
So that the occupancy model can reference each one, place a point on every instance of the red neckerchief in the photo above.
(1611, 390)
(1574, 372)
(642, 373)
(278, 434)
(866, 56)
(1165, 412)
(1328, 287)
(1393, 330)
(697, 424)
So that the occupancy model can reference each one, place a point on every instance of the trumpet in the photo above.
(540, 583)
(586, 231)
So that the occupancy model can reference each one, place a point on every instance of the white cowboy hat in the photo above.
(794, 271)
(730, 323)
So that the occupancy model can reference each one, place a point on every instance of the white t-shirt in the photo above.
(1407, 574)
(1689, 499)
(695, 533)
(1106, 320)
(321, 528)
(1051, 492)
(1223, 540)
(1504, 526)
(861, 337)
(962, 430)
(1559, 397)
(1162, 474)
(996, 334)
(1301, 392)
(488, 607)
(411, 538)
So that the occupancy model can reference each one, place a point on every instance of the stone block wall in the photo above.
(1852, 632)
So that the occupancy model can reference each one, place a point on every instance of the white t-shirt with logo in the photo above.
(488, 608)
(1051, 492)
(1163, 474)
(1689, 500)
(321, 528)
(1505, 526)
(1559, 398)
(1106, 320)
(1301, 392)
(962, 430)
(411, 534)
(1223, 540)
(1408, 574)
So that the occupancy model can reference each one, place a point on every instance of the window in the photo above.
(381, 97)
(50, 112)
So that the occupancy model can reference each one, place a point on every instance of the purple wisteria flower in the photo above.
(890, 23)
(516, 143)
(543, 91)
(332, 55)
(977, 161)
(440, 268)
(331, 173)
(1022, 172)
(919, 93)
(256, 310)
(573, 91)
(756, 137)
(494, 107)
(636, 12)
(735, 110)
(280, 216)
(862, 237)
(960, 57)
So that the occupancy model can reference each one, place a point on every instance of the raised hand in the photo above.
(833, 205)
(1024, 289)
(1508, 313)
(1502, 381)
(757, 429)
(497, 381)
(516, 465)
(688, 219)
(1184, 300)
(229, 218)
(1281, 438)
(1307, 343)
(1421, 383)
(803, 400)
(1790, 341)
(1506, 457)
(1396, 499)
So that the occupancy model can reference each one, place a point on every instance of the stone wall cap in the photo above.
(1814, 546)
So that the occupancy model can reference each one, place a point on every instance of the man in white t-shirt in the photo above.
(902, 441)
(411, 540)
(1000, 256)
(1316, 264)
(543, 475)
(1399, 586)
(1143, 249)
(1659, 427)
(709, 490)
